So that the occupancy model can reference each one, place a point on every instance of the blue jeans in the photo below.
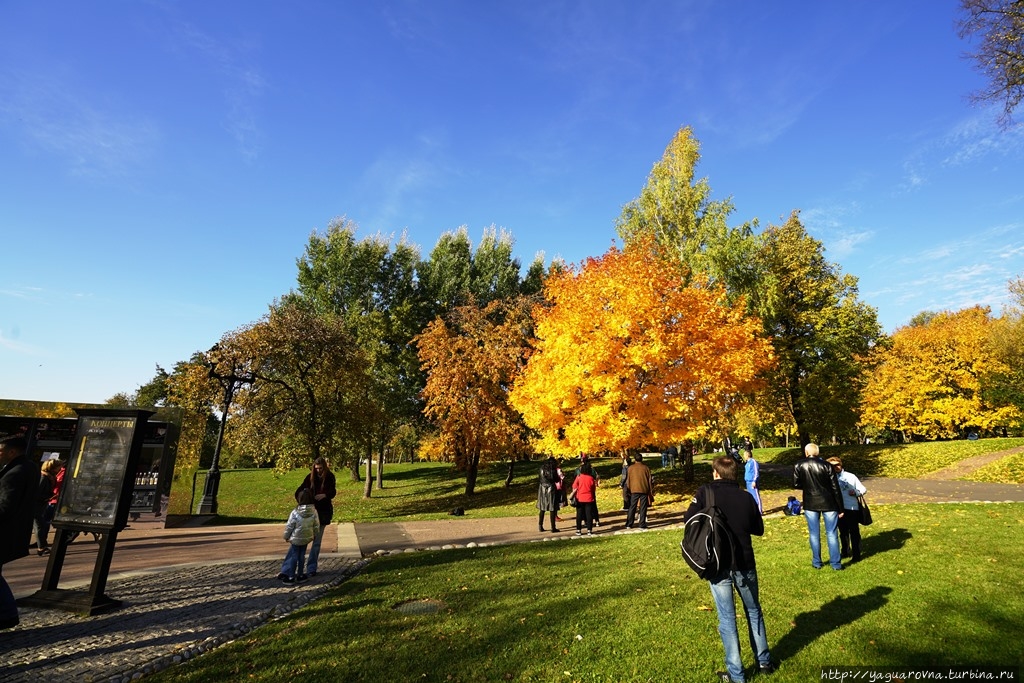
(314, 550)
(813, 518)
(745, 582)
(294, 561)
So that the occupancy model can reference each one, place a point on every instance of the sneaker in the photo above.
(578, 533)
(301, 577)
(723, 676)
(9, 622)
(590, 533)
(768, 668)
(43, 551)
(597, 523)
(312, 573)
(285, 578)
(554, 530)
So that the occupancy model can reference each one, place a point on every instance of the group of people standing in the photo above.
(553, 493)
(829, 492)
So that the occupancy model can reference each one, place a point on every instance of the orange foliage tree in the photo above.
(929, 382)
(626, 356)
(471, 358)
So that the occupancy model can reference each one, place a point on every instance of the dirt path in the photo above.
(965, 467)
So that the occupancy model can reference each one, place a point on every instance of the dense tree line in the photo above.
(694, 330)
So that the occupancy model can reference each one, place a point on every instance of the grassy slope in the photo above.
(939, 585)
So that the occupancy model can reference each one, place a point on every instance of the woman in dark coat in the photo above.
(321, 482)
(548, 494)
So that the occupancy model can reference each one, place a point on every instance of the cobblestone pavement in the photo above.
(170, 616)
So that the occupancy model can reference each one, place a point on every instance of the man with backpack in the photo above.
(742, 519)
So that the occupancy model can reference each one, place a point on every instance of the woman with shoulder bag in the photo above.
(849, 523)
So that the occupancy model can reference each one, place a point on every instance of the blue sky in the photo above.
(162, 164)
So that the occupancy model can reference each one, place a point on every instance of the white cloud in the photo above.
(94, 139)
(17, 347)
(828, 223)
(967, 141)
(244, 85)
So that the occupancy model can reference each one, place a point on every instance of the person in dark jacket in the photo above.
(744, 519)
(19, 483)
(320, 481)
(548, 494)
(622, 481)
(822, 499)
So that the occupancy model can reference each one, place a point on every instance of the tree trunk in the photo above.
(471, 471)
(380, 467)
(353, 469)
(688, 462)
(368, 487)
(511, 472)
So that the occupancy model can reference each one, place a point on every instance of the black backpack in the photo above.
(708, 542)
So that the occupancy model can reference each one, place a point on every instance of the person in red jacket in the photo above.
(584, 486)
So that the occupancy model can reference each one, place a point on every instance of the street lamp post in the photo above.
(231, 381)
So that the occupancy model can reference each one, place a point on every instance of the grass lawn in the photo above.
(431, 490)
(938, 585)
(1007, 470)
(903, 461)
(411, 492)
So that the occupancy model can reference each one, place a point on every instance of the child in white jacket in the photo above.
(302, 527)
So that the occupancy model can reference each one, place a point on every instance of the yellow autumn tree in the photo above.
(626, 355)
(471, 358)
(928, 383)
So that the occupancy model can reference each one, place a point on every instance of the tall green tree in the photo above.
(309, 396)
(823, 334)
(370, 285)
(454, 274)
(445, 275)
(676, 210)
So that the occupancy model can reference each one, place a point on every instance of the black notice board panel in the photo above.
(97, 488)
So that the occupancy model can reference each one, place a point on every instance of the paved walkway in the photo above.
(173, 611)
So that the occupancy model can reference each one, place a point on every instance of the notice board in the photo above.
(97, 486)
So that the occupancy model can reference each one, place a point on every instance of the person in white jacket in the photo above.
(849, 523)
(302, 527)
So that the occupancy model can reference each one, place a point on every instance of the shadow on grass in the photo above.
(876, 544)
(808, 626)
